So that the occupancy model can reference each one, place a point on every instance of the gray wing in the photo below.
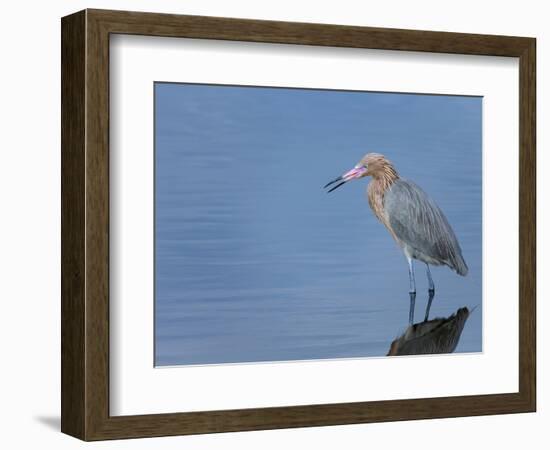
(421, 225)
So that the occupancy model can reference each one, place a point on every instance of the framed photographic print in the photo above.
(272, 224)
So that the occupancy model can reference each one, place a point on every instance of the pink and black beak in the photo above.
(356, 172)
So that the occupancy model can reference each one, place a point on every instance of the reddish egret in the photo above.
(412, 218)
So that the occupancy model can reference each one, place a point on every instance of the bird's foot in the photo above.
(412, 296)
(431, 294)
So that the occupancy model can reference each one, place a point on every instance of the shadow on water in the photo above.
(439, 335)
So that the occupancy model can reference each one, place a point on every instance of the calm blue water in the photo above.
(255, 262)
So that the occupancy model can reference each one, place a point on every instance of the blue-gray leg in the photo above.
(431, 292)
(412, 290)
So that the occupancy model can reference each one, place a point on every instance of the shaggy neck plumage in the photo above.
(383, 176)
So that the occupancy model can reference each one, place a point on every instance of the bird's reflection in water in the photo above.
(439, 335)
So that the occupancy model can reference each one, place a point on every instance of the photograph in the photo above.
(281, 228)
(298, 224)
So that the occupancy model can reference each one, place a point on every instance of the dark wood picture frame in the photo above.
(85, 224)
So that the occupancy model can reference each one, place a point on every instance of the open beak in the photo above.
(356, 172)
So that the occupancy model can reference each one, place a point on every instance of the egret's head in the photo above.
(372, 164)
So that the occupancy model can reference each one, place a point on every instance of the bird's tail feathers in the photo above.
(460, 267)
